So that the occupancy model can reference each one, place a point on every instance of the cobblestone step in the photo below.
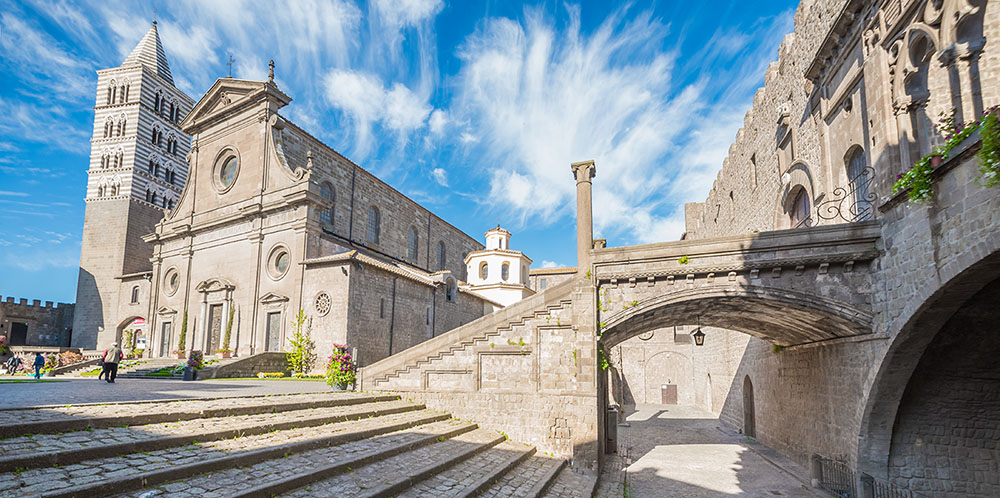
(571, 484)
(529, 479)
(56, 419)
(106, 476)
(68, 448)
(471, 477)
(393, 475)
(265, 479)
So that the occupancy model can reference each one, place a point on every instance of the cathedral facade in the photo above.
(265, 220)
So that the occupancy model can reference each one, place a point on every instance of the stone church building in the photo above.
(226, 215)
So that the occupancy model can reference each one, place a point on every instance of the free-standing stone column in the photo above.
(584, 171)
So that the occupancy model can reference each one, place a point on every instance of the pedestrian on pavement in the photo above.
(39, 363)
(103, 365)
(111, 362)
(13, 365)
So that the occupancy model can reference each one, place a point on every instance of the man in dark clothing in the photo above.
(39, 363)
(111, 362)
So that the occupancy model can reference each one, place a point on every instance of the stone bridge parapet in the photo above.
(790, 287)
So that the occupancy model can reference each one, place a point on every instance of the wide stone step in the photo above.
(64, 418)
(390, 476)
(570, 483)
(107, 476)
(266, 478)
(39, 450)
(529, 479)
(474, 475)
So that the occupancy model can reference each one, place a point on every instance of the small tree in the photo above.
(302, 355)
(182, 340)
(229, 329)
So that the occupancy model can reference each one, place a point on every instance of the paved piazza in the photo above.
(76, 391)
(678, 450)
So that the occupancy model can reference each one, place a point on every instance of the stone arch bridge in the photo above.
(533, 369)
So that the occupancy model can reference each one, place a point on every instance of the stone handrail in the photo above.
(456, 338)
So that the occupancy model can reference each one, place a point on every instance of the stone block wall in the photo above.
(48, 324)
(529, 370)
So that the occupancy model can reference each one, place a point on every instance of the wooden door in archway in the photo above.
(749, 418)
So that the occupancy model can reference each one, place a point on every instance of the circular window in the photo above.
(226, 170)
(278, 262)
(322, 303)
(172, 281)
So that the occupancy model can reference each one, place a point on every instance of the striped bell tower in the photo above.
(137, 170)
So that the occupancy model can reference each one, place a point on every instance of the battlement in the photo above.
(35, 303)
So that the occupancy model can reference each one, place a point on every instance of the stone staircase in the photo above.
(540, 306)
(327, 444)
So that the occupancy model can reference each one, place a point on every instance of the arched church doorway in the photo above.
(749, 417)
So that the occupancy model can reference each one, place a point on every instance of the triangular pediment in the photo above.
(166, 311)
(272, 298)
(229, 95)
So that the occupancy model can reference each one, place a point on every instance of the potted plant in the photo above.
(340, 369)
(224, 352)
(195, 361)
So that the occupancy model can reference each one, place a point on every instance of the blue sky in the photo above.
(475, 109)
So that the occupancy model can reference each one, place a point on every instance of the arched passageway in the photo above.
(932, 421)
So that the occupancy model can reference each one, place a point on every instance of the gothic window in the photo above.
(374, 220)
(121, 94)
(108, 101)
(171, 204)
(107, 128)
(156, 102)
(148, 193)
(114, 92)
(505, 271)
(326, 216)
(860, 178)
(126, 92)
(412, 251)
(152, 198)
(173, 111)
(442, 256)
(484, 271)
(801, 209)
(135, 295)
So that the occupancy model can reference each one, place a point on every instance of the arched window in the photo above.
(152, 198)
(148, 193)
(411, 251)
(135, 295)
(326, 216)
(126, 91)
(442, 255)
(450, 289)
(505, 271)
(156, 102)
(374, 220)
(484, 271)
(109, 93)
(173, 111)
(801, 209)
(121, 94)
(860, 178)
(108, 125)
(114, 92)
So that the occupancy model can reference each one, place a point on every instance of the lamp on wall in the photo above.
(699, 336)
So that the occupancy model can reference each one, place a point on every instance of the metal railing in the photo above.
(840, 479)
(855, 202)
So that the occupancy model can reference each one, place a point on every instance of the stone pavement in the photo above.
(91, 390)
(679, 451)
(307, 444)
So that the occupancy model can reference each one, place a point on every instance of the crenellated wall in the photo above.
(34, 323)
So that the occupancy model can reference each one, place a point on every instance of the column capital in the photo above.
(583, 171)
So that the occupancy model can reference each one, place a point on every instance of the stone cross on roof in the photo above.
(149, 53)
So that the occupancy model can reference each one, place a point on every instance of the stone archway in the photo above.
(940, 364)
(749, 411)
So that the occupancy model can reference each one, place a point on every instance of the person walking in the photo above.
(39, 363)
(104, 366)
(111, 360)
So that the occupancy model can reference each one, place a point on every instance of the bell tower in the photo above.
(136, 173)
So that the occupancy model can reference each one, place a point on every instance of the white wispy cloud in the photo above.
(440, 176)
(551, 264)
(364, 98)
(14, 194)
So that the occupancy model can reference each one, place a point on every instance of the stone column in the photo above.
(584, 171)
